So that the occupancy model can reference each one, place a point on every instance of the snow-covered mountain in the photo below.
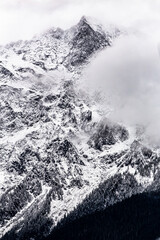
(57, 147)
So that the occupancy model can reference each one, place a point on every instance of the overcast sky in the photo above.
(21, 19)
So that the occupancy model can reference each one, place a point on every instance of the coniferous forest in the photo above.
(135, 218)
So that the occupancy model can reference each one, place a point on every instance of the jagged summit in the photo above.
(92, 22)
(55, 49)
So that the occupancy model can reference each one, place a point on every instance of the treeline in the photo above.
(135, 218)
(113, 190)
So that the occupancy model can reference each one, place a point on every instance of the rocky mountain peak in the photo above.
(55, 49)
(86, 38)
(56, 145)
(92, 23)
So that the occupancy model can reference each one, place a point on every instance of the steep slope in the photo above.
(54, 152)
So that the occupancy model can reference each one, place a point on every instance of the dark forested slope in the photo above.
(136, 218)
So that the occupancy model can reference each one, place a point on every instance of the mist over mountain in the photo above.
(127, 75)
(79, 133)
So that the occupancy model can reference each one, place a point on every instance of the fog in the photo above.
(22, 19)
(128, 75)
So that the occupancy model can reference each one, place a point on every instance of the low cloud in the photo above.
(128, 75)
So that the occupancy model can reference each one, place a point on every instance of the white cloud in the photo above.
(128, 74)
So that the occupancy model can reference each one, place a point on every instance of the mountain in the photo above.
(61, 158)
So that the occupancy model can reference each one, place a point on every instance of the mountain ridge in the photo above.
(54, 151)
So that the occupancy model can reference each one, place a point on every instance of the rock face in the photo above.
(86, 40)
(108, 133)
(55, 155)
